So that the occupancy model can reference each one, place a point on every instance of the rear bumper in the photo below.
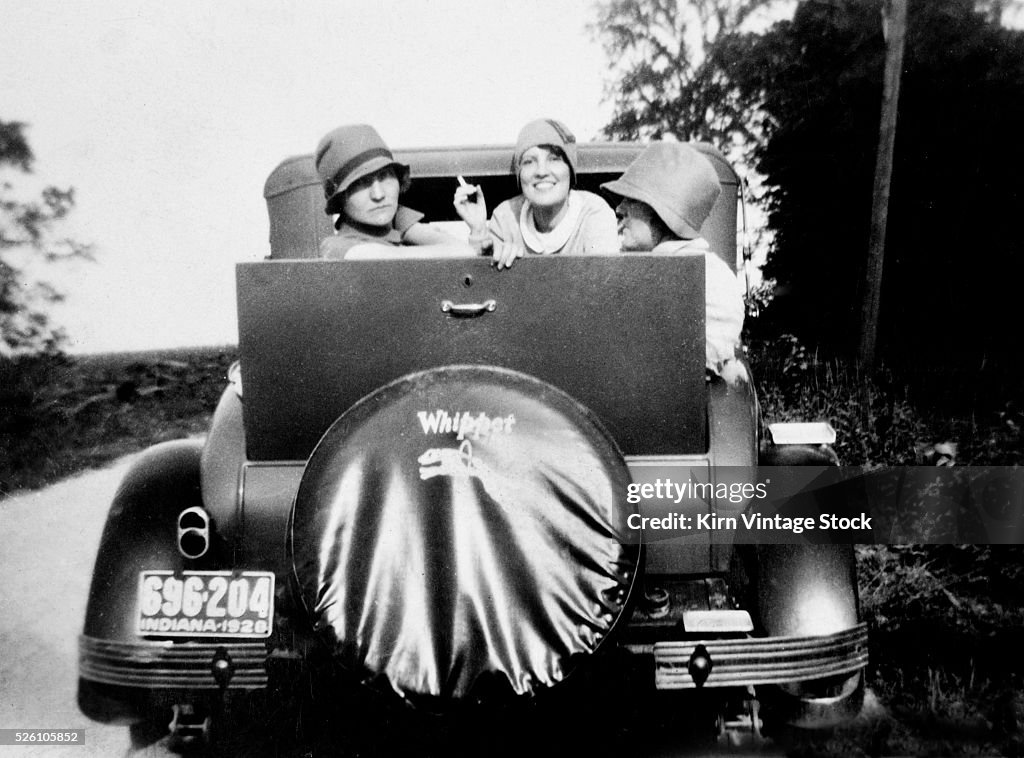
(759, 660)
(734, 662)
(168, 665)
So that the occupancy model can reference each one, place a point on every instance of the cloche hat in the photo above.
(546, 131)
(349, 153)
(674, 179)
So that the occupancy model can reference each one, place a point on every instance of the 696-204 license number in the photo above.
(206, 603)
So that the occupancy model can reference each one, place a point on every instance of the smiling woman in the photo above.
(550, 216)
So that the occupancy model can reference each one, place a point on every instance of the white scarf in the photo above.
(545, 243)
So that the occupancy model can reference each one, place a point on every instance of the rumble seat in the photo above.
(295, 198)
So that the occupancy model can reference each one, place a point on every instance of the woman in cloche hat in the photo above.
(549, 216)
(668, 192)
(362, 182)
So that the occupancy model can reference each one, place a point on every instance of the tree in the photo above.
(894, 23)
(954, 255)
(802, 100)
(672, 64)
(673, 68)
(28, 234)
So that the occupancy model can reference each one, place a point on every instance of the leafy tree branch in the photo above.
(29, 234)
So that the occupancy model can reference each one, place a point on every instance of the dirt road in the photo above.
(49, 541)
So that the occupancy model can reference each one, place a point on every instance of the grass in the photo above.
(61, 415)
(881, 419)
(947, 621)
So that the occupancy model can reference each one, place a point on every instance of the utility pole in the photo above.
(894, 28)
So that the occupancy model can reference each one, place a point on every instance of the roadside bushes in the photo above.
(873, 417)
(61, 414)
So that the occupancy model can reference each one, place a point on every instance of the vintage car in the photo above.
(429, 474)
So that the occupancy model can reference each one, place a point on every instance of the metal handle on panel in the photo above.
(468, 310)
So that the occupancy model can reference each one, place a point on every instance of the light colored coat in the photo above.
(588, 227)
(723, 299)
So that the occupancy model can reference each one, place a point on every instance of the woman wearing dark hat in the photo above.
(362, 182)
(668, 192)
(549, 216)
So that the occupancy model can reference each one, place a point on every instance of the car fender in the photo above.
(810, 590)
(732, 441)
(221, 466)
(806, 589)
(141, 533)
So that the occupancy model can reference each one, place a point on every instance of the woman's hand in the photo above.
(505, 254)
(472, 208)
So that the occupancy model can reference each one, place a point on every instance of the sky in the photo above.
(167, 118)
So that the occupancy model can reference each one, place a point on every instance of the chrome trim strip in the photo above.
(762, 660)
(667, 460)
(170, 665)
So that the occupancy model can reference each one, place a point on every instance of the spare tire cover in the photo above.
(461, 535)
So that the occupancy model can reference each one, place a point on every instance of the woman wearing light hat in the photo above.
(362, 182)
(668, 192)
(549, 216)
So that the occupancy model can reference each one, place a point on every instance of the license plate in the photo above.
(206, 604)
